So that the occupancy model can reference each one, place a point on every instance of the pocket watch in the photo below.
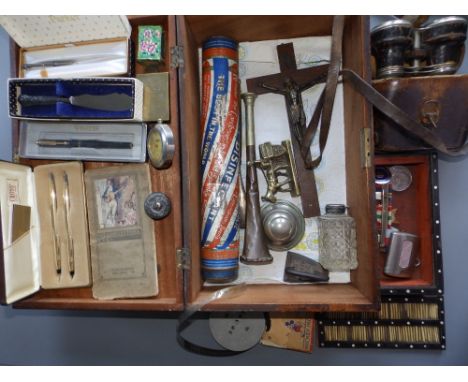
(160, 145)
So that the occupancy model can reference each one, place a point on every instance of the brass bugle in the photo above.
(255, 248)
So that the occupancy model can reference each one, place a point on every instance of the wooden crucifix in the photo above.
(290, 83)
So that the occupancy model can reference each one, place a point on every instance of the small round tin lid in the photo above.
(237, 331)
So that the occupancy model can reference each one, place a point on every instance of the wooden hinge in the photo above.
(183, 258)
(177, 56)
(366, 148)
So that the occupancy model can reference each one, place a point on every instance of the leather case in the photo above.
(432, 101)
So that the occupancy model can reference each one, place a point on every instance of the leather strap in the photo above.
(324, 108)
(188, 316)
(185, 320)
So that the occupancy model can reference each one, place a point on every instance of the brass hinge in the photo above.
(16, 157)
(183, 258)
(366, 141)
(177, 56)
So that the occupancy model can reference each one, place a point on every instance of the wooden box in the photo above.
(168, 232)
(412, 314)
(178, 235)
(417, 212)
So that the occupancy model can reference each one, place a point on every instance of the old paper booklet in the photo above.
(123, 250)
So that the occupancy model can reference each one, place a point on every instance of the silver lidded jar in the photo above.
(337, 239)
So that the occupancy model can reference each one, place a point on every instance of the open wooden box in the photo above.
(417, 301)
(180, 282)
(417, 212)
(362, 293)
(168, 231)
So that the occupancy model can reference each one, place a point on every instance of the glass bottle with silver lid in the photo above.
(337, 239)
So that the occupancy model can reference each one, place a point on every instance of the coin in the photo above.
(401, 178)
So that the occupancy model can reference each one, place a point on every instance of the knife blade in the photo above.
(105, 102)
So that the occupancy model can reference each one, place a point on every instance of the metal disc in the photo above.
(157, 206)
(401, 178)
(237, 331)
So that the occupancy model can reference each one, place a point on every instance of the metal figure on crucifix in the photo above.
(296, 114)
